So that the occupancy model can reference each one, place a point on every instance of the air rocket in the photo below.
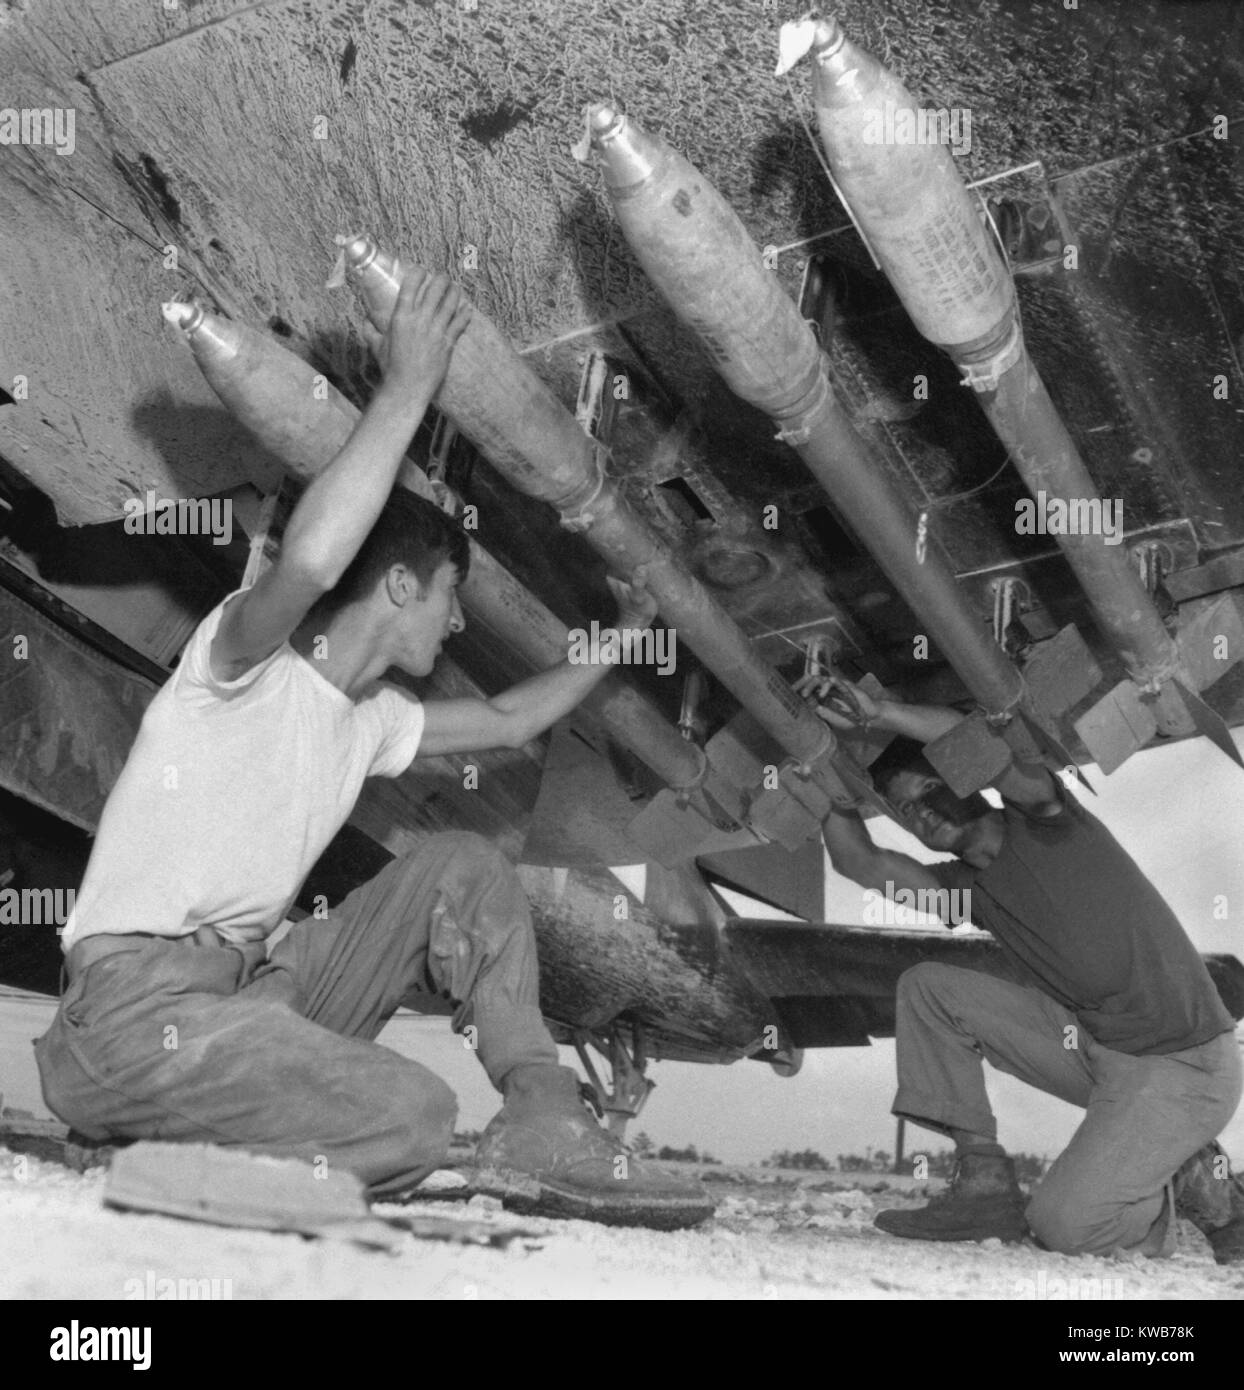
(294, 413)
(699, 255)
(923, 226)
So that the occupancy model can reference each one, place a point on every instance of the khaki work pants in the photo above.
(177, 1041)
(1110, 1188)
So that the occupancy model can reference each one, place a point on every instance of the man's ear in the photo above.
(402, 585)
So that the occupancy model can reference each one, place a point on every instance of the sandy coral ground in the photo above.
(775, 1236)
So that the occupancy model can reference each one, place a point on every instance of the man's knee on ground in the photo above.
(1060, 1225)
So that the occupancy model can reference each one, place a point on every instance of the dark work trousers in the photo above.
(172, 1040)
(1110, 1188)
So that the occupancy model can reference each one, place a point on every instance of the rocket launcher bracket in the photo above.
(795, 427)
(984, 375)
(580, 517)
(595, 412)
(597, 405)
(444, 436)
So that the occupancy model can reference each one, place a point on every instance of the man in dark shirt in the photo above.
(1114, 1011)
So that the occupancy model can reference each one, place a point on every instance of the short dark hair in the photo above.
(900, 755)
(410, 531)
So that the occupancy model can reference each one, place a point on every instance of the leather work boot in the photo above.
(543, 1154)
(1214, 1204)
(983, 1200)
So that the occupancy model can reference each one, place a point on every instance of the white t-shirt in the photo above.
(232, 791)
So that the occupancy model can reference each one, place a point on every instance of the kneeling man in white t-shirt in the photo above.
(246, 765)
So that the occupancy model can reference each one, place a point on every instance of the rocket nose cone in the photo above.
(355, 253)
(181, 315)
(601, 117)
(355, 248)
(828, 35)
(627, 153)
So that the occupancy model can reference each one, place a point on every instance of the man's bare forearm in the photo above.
(339, 508)
(921, 722)
(854, 855)
(846, 838)
(538, 702)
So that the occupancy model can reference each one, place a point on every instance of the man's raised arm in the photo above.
(854, 855)
(340, 506)
(1027, 784)
(525, 710)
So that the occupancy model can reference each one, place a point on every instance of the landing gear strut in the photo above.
(629, 1088)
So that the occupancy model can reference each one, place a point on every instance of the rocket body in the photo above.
(912, 205)
(699, 255)
(489, 392)
(697, 252)
(920, 219)
(291, 409)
